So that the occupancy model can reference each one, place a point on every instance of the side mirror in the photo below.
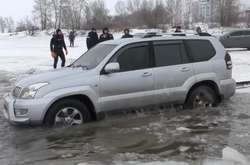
(112, 68)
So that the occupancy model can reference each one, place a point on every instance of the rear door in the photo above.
(200, 52)
(172, 71)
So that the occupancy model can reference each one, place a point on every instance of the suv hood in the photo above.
(51, 76)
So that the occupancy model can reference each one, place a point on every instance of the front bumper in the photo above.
(36, 110)
(9, 113)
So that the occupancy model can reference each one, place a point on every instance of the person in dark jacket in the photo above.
(106, 35)
(200, 33)
(57, 44)
(72, 37)
(92, 38)
(178, 29)
(178, 32)
(127, 34)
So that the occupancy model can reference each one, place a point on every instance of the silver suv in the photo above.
(121, 74)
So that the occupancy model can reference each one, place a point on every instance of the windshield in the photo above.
(94, 56)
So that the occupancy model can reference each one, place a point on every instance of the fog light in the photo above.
(21, 112)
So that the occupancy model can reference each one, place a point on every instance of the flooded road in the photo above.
(144, 136)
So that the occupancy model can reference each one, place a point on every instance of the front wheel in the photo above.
(67, 112)
(202, 97)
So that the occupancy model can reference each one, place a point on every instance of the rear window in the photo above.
(247, 33)
(200, 50)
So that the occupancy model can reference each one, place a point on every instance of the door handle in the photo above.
(147, 74)
(185, 69)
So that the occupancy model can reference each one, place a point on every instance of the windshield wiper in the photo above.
(80, 66)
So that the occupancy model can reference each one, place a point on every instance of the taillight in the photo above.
(228, 61)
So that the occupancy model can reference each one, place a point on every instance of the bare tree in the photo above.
(143, 13)
(2, 24)
(228, 12)
(56, 9)
(10, 24)
(27, 25)
(97, 15)
(42, 10)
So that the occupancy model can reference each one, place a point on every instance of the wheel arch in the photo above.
(80, 97)
(210, 83)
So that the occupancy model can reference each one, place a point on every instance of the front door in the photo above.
(132, 86)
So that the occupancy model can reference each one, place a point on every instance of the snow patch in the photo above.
(230, 154)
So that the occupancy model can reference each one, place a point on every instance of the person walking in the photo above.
(57, 44)
(127, 34)
(92, 38)
(72, 37)
(106, 35)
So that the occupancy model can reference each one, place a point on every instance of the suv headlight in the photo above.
(30, 92)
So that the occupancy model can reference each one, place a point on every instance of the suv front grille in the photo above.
(16, 92)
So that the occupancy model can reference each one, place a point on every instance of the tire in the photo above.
(201, 97)
(71, 105)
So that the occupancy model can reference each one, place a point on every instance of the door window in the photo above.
(133, 58)
(167, 55)
(246, 33)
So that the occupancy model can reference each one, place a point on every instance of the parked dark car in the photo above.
(236, 39)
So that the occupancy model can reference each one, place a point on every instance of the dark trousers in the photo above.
(72, 43)
(60, 54)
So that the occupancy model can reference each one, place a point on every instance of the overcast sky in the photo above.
(19, 9)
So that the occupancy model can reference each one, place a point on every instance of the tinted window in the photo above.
(134, 59)
(235, 34)
(166, 55)
(247, 33)
(200, 50)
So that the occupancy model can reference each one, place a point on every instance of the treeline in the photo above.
(84, 14)
(6, 24)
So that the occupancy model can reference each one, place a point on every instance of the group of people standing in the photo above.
(58, 46)
(93, 38)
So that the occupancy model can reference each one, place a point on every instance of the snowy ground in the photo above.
(143, 133)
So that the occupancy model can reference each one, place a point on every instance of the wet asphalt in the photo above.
(162, 133)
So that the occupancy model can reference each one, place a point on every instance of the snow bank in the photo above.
(230, 154)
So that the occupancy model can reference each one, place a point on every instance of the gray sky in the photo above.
(19, 9)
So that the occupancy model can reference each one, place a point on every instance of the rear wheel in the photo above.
(68, 112)
(202, 97)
